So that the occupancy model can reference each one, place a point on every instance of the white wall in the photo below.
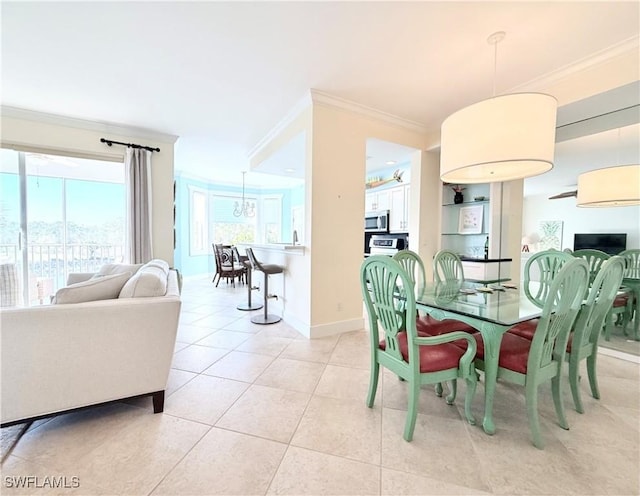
(325, 296)
(581, 220)
(55, 134)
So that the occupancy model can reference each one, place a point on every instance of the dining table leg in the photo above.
(492, 337)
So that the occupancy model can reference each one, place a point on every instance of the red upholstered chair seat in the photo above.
(525, 329)
(428, 326)
(569, 343)
(621, 300)
(432, 358)
(514, 351)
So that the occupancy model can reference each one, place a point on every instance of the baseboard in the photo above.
(342, 326)
(324, 330)
(621, 355)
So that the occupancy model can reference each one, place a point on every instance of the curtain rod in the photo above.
(129, 145)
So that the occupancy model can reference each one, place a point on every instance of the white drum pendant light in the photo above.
(499, 139)
(610, 187)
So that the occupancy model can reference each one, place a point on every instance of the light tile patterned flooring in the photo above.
(262, 410)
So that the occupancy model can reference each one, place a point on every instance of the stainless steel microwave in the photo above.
(376, 221)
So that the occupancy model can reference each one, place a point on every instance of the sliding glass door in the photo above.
(59, 215)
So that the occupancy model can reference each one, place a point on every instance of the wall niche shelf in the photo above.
(470, 244)
(479, 202)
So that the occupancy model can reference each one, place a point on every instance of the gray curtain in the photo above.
(138, 184)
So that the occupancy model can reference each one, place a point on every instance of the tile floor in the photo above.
(261, 410)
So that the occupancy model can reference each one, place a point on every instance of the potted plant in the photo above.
(457, 198)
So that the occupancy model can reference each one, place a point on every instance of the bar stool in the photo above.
(267, 269)
(250, 287)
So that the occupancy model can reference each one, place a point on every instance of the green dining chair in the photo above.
(632, 280)
(413, 265)
(547, 264)
(447, 266)
(583, 342)
(450, 265)
(531, 363)
(595, 259)
(417, 360)
(539, 272)
(619, 310)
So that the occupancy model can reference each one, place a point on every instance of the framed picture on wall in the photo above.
(470, 220)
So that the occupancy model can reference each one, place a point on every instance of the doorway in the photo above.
(58, 214)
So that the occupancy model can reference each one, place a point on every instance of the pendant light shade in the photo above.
(610, 187)
(499, 139)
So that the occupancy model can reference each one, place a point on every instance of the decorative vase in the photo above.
(458, 198)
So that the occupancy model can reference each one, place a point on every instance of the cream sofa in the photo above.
(63, 357)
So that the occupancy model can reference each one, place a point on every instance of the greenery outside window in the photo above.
(225, 227)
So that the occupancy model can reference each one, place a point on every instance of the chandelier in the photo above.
(246, 208)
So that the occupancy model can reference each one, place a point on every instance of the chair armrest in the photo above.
(76, 277)
(466, 360)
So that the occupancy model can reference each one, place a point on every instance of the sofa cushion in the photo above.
(103, 288)
(117, 268)
(150, 280)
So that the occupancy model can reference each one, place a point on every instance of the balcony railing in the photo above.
(50, 264)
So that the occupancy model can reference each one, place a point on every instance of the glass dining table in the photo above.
(491, 313)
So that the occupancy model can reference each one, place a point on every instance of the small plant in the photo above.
(457, 188)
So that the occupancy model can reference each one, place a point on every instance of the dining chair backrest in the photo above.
(595, 259)
(544, 265)
(559, 311)
(217, 253)
(255, 265)
(447, 266)
(632, 263)
(411, 262)
(600, 300)
(382, 279)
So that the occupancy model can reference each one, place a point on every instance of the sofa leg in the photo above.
(158, 402)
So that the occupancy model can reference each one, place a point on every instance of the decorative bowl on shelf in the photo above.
(478, 198)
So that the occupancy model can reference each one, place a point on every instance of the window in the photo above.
(272, 219)
(212, 220)
(72, 213)
(225, 226)
(199, 243)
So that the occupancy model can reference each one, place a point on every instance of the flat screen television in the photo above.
(611, 243)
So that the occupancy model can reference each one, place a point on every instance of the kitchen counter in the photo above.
(286, 247)
(486, 270)
(485, 260)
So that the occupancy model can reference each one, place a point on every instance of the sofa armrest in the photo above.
(76, 277)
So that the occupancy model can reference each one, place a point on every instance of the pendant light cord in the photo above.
(495, 66)
(494, 39)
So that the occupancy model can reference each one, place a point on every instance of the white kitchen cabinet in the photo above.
(399, 209)
(376, 200)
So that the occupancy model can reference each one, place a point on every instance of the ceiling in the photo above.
(220, 75)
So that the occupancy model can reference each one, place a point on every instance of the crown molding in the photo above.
(322, 98)
(300, 106)
(602, 56)
(316, 97)
(99, 126)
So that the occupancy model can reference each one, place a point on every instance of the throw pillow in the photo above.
(150, 280)
(103, 288)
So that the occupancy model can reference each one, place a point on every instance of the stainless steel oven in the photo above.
(377, 221)
(386, 244)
